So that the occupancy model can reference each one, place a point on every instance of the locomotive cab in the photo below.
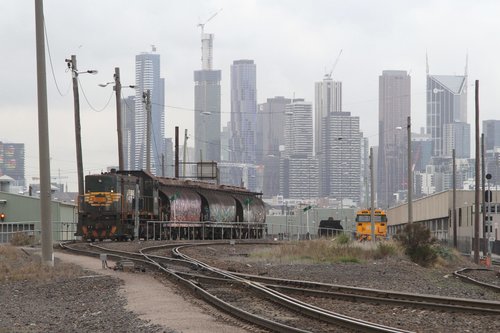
(106, 208)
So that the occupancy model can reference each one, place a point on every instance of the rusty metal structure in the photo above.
(123, 205)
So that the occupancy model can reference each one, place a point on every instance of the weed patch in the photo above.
(339, 249)
(17, 265)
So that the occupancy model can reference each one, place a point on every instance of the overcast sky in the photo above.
(292, 43)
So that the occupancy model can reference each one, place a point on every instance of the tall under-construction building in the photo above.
(207, 117)
(328, 99)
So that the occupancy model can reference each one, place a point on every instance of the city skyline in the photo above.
(290, 57)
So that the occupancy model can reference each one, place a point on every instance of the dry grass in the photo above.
(22, 239)
(329, 251)
(19, 265)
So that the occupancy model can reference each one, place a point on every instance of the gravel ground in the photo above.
(67, 302)
(392, 273)
(66, 299)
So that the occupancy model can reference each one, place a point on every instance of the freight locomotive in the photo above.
(122, 205)
(364, 225)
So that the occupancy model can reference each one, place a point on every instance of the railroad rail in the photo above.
(292, 303)
(297, 308)
(461, 275)
(278, 291)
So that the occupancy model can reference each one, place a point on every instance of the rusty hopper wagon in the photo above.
(127, 204)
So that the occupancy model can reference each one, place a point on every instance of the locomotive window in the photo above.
(100, 184)
(366, 218)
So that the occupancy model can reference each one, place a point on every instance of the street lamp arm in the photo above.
(108, 83)
(104, 84)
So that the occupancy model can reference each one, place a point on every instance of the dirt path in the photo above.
(154, 301)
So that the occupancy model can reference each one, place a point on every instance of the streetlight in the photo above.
(78, 135)
(341, 180)
(410, 175)
(399, 166)
(146, 99)
(117, 89)
(488, 197)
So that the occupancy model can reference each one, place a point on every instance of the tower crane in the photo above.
(202, 25)
(329, 75)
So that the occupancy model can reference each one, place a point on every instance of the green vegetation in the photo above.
(386, 249)
(340, 249)
(418, 244)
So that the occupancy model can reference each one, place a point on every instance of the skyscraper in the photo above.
(394, 109)
(446, 104)
(128, 131)
(269, 136)
(147, 77)
(12, 161)
(269, 140)
(328, 98)
(491, 129)
(207, 117)
(298, 128)
(341, 157)
(456, 136)
(243, 111)
(300, 169)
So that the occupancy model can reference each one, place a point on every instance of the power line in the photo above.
(88, 102)
(52, 66)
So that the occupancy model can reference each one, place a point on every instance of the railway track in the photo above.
(462, 275)
(220, 288)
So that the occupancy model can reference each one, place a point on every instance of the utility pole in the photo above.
(454, 204)
(137, 195)
(176, 162)
(476, 215)
(410, 175)
(43, 137)
(72, 65)
(147, 100)
(119, 126)
(483, 181)
(118, 89)
(372, 196)
(78, 130)
(163, 165)
(185, 150)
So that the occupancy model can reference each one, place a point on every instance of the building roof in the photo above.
(454, 83)
(6, 179)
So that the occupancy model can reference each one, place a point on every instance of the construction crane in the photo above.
(329, 75)
(207, 45)
(202, 25)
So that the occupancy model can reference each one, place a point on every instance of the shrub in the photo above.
(424, 255)
(21, 239)
(417, 241)
(385, 249)
(343, 239)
